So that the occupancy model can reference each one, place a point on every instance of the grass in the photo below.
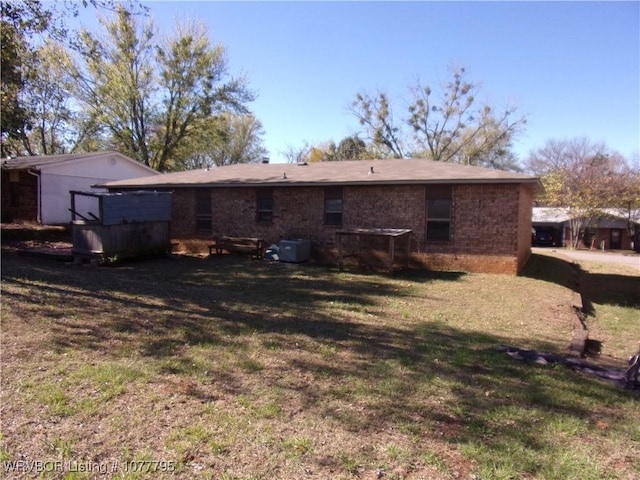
(237, 369)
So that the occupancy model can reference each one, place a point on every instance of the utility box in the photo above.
(294, 251)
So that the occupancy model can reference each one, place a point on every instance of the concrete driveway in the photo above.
(630, 259)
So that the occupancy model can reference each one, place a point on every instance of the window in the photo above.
(438, 213)
(333, 206)
(264, 211)
(203, 210)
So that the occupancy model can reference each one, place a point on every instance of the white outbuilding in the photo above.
(36, 189)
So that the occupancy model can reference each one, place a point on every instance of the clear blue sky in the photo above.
(573, 68)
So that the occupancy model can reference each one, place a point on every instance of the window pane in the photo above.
(440, 209)
(203, 223)
(203, 210)
(265, 203)
(333, 219)
(438, 231)
(333, 205)
(203, 202)
(264, 212)
(265, 217)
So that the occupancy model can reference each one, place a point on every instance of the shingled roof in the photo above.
(37, 162)
(358, 172)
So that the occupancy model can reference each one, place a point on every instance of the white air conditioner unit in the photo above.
(295, 251)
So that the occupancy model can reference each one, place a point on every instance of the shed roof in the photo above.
(39, 161)
(353, 172)
(549, 215)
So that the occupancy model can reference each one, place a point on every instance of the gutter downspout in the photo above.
(36, 174)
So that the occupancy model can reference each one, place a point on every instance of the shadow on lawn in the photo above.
(198, 298)
(603, 289)
(370, 375)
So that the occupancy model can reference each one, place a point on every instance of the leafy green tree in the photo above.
(243, 140)
(226, 139)
(626, 200)
(114, 82)
(53, 123)
(19, 21)
(152, 96)
(36, 116)
(351, 148)
(447, 126)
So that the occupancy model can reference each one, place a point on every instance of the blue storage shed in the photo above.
(123, 225)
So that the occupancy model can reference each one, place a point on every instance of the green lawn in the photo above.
(228, 368)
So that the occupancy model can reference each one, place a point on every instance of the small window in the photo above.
(203, 210)
(333, 206)
(264, 212)
(438, 210)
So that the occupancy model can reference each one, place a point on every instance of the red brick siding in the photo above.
(525, 207)
(19, 199)
(486, 233)
(485, 219)
(388, 207)
(468, 262)
(183, 213)
(604, 235)
(490, 223)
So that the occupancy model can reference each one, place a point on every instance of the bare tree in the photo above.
(297, 154)
(451, 128)
(447, 126)
(375, 114)
(582, 176)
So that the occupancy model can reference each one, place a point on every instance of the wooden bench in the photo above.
(253, 246)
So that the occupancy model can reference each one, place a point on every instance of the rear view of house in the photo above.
(36, 189)
(461, 217)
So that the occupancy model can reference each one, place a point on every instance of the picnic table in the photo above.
(253, 246)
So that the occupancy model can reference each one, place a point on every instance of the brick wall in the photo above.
(19, 196)
(183, 213)
(525, 209)
(602, 239)
(490, 232)
(486, 234)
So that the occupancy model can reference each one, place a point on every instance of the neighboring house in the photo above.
(554, 221)
(462, 218)
(610, 230)
(36, 189)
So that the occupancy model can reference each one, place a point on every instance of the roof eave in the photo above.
(535, 183)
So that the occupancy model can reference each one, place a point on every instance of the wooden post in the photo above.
(392, 246)
(73, 206)
(406, 264)
(340, 265)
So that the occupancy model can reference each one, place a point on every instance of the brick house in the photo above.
(607, 229)
(462, 218)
